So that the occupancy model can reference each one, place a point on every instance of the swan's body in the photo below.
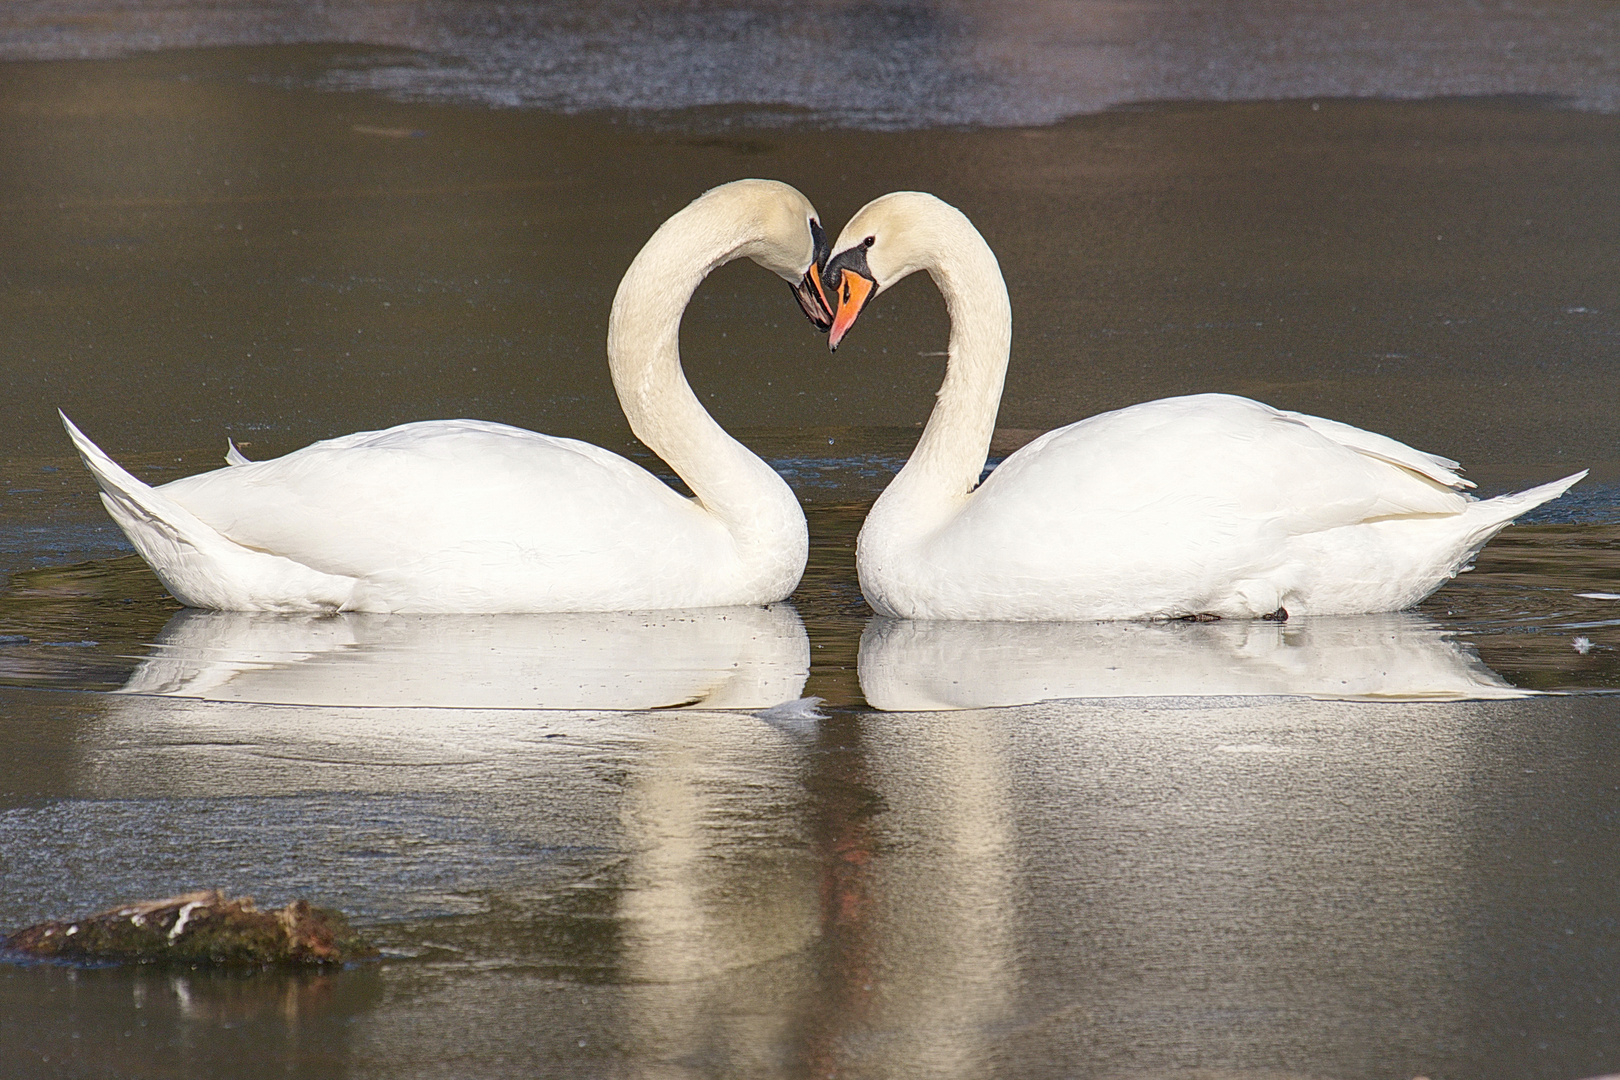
(469, 516)
(1202, 505)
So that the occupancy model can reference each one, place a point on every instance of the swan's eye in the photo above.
(869, 241)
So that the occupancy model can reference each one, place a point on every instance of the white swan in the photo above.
(1188, 506)
(470, 516)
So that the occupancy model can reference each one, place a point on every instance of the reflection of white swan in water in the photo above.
(915, 665)
(716, 658)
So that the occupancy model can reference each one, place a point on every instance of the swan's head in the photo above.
(785, 237)
(888, 239)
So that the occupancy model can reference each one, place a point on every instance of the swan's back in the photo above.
(1225, 461)
(500, 484)
(462, 515)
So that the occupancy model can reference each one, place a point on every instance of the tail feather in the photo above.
(198, 564)
(1504, 508)
(1490, 516)
(148, 517)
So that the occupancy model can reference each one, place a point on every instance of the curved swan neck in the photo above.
(645, 364)
(951, 453)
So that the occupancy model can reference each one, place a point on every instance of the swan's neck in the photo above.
(729, 481)
(950, 456)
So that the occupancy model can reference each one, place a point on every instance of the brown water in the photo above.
(1242, 884)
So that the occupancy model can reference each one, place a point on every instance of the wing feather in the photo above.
(1442, 470)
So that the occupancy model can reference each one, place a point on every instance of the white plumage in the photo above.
(1208, 504)
(470, 516)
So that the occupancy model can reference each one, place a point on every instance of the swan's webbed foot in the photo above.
(1280, 615)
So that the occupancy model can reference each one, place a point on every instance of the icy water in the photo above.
(1333, 848)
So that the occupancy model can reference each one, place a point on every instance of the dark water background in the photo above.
(281, 222)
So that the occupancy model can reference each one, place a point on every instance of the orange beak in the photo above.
(853, 293)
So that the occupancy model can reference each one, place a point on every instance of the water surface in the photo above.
(1329, 848)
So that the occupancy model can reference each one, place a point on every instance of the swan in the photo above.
(477, 517)
(1203, 506)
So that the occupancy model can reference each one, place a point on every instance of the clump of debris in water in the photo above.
(196, 928)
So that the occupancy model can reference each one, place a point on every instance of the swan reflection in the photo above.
(715, 658)
(909, 665)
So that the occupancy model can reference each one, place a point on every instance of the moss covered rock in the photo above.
(199, 928)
